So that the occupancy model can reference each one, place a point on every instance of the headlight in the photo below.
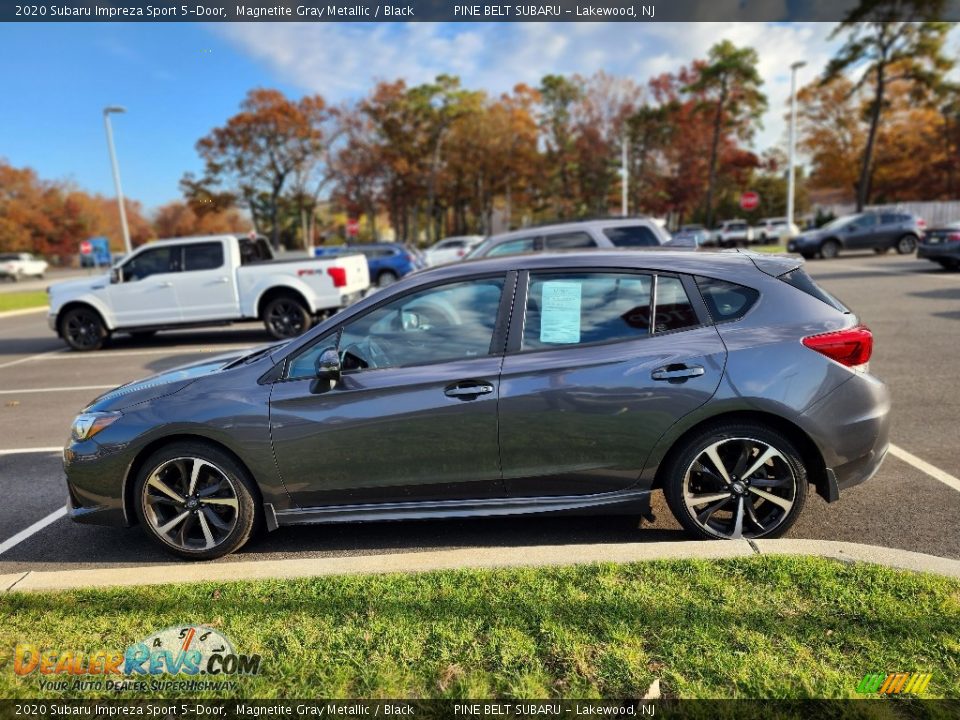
(86, 425)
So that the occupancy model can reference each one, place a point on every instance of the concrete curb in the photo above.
(541, 555)
(24, 311)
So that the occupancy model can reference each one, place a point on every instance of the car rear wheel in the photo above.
(286, 317)
(196, 501)
(83, 329)
(736, 480)
(906, 245)
(386, 278)
(830, 249)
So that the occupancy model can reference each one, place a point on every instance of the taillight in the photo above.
(461, 252)
(851, 347)
(953, 237)
(338, 275)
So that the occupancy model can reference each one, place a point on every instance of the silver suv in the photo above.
(637, 232)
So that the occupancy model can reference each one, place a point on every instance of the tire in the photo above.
(207, 528)
(691, 472)
(82, 329)
(15, 277)
(286, 316)
(387, 277)
(907, 245)
(830, 249)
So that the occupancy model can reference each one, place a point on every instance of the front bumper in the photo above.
(95, 483)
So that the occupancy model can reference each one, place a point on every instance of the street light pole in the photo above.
(791, 177)
(624, 177)
(116, 173)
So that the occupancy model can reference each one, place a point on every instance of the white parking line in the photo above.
(36, 450)
(38, 356)
(178, 350)
(32, 530)
(923, 466)
(24, 391)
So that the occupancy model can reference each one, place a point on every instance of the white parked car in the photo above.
(204, 281)
(20, 265)
(773, 229)
(732, 233)
(451, 249)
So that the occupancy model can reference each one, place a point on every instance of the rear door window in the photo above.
(569, 240)
(203, 256)
(599, 307)
(632, 236)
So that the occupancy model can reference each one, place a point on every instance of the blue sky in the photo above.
(180, 80)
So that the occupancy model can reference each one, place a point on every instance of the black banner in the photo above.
(898, 707)
(449, 10)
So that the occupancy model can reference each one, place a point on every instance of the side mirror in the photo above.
(115, 276)
(328, 365)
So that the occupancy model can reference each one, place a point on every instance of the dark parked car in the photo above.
(554, 383)
(877, 231)
(387, 262)
(942, 245)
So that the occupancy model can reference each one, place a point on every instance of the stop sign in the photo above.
(749, 200)
(86, 248)
(353, 227)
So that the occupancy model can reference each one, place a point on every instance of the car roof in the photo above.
(716, 263)
(573, 225)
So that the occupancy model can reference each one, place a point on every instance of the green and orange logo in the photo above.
(899, 683)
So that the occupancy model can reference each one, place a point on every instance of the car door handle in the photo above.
(677, 372)
(223, 279)
(468, 391)
(165, 284)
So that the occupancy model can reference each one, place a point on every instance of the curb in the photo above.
(473, 558)
(24, 311)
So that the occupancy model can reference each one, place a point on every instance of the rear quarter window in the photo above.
(801, 281)
(632, 236)
(726, 301)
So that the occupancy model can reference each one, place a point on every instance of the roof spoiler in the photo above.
(773, 265)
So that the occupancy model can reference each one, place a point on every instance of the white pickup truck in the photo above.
(215, 280)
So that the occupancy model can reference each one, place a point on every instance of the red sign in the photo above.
(749, 200)
(353, 227)
(86, 248)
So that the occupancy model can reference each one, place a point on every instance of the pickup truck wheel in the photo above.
(285, 317)
(82, 329)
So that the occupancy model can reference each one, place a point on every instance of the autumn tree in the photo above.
(728, 89)
(263, 149)
(892, 51)
(180, 219)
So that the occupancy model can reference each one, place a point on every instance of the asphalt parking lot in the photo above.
(912, 306)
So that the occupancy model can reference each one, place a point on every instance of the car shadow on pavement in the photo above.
(68, 546)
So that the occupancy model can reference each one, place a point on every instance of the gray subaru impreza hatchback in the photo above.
(556, 383)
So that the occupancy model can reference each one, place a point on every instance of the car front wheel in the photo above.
(83, 329)
(195, 501)
(830, 249)
(736, 480)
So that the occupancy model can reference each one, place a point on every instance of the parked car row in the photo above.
(877, 231)
(14, 266)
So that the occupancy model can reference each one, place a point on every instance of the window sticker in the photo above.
(560, 313)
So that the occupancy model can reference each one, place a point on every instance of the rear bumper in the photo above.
(946, 251)
(851, 427)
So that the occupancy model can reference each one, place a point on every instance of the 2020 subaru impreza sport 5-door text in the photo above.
(557, 383)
